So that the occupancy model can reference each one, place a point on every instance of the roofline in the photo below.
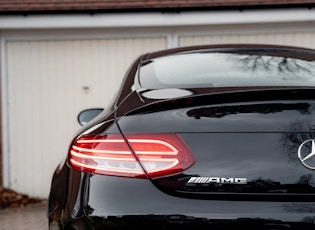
(163, 9)
(156, 19)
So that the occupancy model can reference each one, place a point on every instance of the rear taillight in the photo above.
(159, 154)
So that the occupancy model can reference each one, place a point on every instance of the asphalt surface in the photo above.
(32, 216)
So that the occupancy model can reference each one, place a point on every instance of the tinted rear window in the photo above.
(198, 70)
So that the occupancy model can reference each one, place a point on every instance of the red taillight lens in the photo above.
(158, 154)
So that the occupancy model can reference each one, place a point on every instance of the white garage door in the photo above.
(296, 39)
(49, 82)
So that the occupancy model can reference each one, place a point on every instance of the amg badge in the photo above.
(217, 180)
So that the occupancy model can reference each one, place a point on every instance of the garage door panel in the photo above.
(296, 39)
(49, 82)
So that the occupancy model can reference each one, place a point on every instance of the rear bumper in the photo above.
(120, 203)
(182, 222)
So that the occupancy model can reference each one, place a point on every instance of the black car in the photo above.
(203, 137)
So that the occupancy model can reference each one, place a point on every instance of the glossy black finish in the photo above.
(106, 206)
(238, 134)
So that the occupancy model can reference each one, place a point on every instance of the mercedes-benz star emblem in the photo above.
(306, 153)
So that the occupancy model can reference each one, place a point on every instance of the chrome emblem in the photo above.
(217, 180)
(306, 154)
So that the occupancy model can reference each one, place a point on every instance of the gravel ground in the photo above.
(31, 216)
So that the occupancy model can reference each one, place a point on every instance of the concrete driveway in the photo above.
(32, 216)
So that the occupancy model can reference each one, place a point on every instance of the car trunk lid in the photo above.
(245, 149)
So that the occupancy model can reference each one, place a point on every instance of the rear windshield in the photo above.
(199, 70)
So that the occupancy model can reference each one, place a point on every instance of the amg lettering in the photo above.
(214, 180)
(227, 180)
(217, 180)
